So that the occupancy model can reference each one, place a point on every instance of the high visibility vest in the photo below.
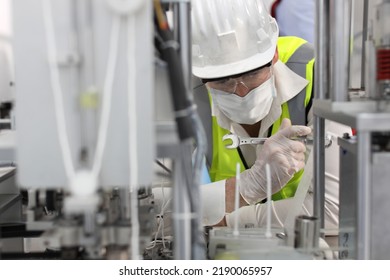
(298, 55)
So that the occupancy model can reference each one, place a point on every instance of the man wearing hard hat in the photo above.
(259, 85)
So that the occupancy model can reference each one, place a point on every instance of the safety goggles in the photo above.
(249, 80)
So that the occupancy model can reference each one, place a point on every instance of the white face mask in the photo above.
(249, 109)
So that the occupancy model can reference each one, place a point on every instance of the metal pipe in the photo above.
(322, 50)
(182, 31)
(181, 204)
(321, 92)
(319, 168)
(340, 22)
(365, 36)
(364, 196)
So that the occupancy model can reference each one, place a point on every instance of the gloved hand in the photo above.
(284, 156)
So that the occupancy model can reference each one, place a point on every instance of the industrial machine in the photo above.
(88, 131)
(353, 89)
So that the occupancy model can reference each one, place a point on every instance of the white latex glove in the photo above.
(285, 157)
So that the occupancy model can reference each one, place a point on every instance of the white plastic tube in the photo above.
(237, 200)
(268, 233)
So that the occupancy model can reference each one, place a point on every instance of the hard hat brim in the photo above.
(238, 67)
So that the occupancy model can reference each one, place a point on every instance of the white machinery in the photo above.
(96, 104)
(80, 118)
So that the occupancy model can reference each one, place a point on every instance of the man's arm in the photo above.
(230, 194)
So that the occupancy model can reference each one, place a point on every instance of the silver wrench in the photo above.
(238, 141)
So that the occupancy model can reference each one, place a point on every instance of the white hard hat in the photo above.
(231, 37)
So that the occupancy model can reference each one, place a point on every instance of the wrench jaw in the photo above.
(232, 137)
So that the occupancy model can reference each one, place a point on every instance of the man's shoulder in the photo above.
(294, 49)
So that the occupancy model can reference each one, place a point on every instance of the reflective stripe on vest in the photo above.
(298, 55)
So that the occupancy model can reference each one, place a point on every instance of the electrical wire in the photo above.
(159, 163)
(160, 221)
(107, 95)
(161, 225)
(161, 19)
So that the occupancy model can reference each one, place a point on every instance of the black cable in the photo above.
(182, 104)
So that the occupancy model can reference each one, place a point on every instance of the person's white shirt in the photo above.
(296, 18)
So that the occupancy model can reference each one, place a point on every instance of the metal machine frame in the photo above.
(364, 157)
